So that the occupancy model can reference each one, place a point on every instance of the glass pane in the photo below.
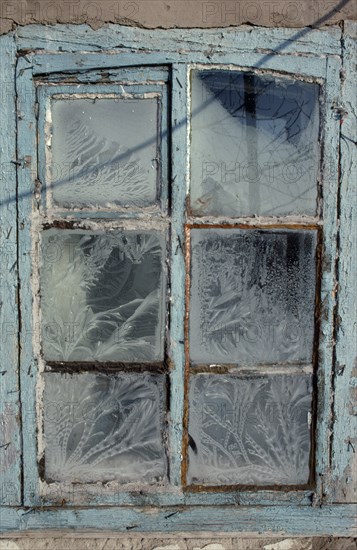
(102, 427)
(246, 431)
(104, 152)
(255, 144)
(252, 296)
(103, 295)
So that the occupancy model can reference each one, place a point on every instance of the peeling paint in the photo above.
(10, 428)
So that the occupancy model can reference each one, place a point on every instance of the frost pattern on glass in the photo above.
(103, 295)
(254, 144)
(104, 152)
(252, 296)
(101, 427)
(249, 430)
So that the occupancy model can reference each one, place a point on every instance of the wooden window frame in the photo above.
(35, 51)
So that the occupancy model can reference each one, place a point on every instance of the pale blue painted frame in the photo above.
(10, 408)
(320, 58)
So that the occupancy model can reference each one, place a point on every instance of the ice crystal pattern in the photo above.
(103, 295)
(249, 430)
(252, 296)
(104, 152)
(102, 427)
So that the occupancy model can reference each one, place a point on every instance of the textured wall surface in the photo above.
(176, 13)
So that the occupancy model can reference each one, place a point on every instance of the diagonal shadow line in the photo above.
(168, 132)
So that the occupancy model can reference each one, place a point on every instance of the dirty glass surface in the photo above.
(254, 144)
(103, 295)
(252, 296)
(249, 431)
(100, 427)
(104, 152)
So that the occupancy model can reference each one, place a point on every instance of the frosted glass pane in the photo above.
(249, 430)
(252, 296)
(104, 427)
(254, 144)
(103, 295)
(104, 152)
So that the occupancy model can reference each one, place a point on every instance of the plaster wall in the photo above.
(177, 13)
(178, 544)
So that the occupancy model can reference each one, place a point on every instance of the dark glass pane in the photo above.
(254, 144)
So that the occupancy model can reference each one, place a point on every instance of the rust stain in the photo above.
(199, 488)
(105, 367)
(61, 224)
(316, 391)
(257, 225)
(185, 439)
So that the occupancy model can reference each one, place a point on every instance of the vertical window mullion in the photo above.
(179, 174)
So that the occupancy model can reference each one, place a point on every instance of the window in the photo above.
(177, 221)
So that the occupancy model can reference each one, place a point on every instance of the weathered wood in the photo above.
(244, 38)
(10, 410)
(133, 75)
(344, 448)
(179, 191)
(29, 334)
(94, 495)
(48, 63)
(338, 520)
(328, 277)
